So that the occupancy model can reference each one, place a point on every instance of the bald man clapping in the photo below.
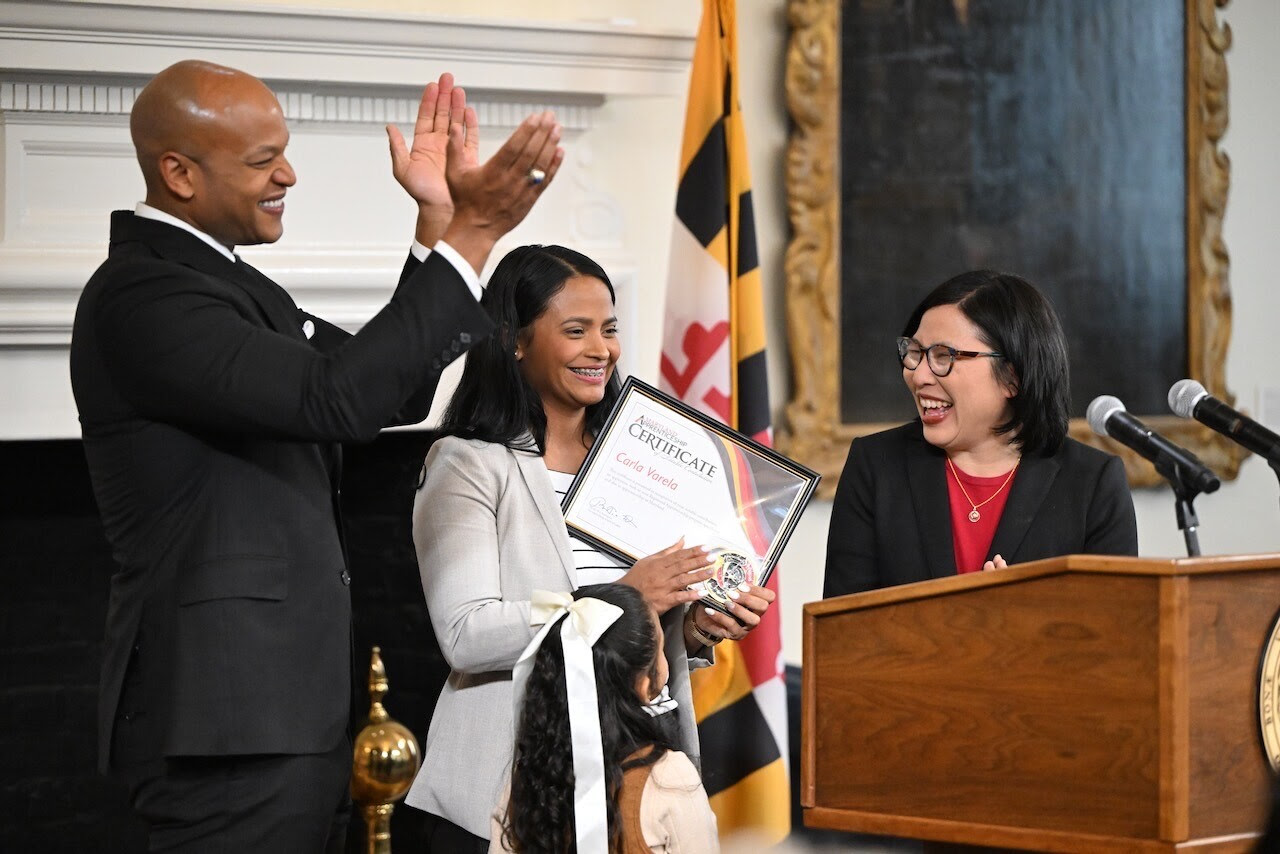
(212, 409)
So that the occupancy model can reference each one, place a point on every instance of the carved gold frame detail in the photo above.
(813, 432)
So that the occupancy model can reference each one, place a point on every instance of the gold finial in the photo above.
(378, 687)
(385, 762)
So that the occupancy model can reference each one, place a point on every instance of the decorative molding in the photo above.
(814, 432)
(66, 97)
(595, 222)
(318, 104)
(358, 48)
(77, 148)
(344, 284)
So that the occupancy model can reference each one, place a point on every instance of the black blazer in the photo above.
(211, 424)
(891, 520)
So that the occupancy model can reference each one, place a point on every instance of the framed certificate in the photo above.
(660, 469)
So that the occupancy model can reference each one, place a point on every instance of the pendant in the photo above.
(974, 515)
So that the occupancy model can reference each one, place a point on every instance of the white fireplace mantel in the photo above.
(281, 43)
(69, 71)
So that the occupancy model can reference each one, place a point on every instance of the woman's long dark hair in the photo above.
(494, 402)
(539, 816)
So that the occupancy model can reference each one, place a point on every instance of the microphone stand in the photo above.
(1188, 521)
(1275, 466)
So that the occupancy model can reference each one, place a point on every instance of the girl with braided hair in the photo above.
(616, 784)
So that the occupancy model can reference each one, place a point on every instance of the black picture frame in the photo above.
(799, 482)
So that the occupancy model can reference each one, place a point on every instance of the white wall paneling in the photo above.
(70, 72)
(351, 46)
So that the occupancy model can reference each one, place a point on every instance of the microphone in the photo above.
(1108, 417)
(1189, 399)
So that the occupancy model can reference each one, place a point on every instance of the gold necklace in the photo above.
(974, 515)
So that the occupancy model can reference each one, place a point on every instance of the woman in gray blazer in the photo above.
(488, 530)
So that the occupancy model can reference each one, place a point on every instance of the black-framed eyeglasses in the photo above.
(941, 358)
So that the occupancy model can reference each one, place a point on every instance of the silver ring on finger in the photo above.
(536, 176)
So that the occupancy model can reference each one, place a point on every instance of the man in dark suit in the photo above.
(212, 408)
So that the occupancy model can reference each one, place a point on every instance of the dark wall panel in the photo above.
(56, 565)
(1038, 137)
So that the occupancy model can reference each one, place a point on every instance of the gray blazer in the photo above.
(488, 531)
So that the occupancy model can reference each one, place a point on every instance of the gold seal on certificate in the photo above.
(660, 470)
(731, 569)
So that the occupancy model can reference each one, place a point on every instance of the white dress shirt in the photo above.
(419, 251)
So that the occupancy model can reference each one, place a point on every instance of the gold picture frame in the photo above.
(814, 432)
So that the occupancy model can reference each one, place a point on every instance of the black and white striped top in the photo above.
(597, 567)
(593, 565)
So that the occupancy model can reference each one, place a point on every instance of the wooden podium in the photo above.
(1082, 703)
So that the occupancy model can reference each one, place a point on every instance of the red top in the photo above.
(972, 540)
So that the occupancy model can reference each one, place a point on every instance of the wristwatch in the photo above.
(699, 635)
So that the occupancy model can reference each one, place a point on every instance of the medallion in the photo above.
(1269, 696)
(731, 569)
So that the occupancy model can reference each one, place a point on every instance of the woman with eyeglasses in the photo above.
(985, 476)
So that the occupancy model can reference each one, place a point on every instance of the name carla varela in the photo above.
(666, 447)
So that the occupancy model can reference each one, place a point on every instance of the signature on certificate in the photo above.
(604, 508)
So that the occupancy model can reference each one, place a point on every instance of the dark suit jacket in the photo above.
(891, 521)
(211, 425)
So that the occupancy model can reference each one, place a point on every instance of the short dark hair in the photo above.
(1015, 319)
(494, 402)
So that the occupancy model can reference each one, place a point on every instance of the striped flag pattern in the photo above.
(713, 358)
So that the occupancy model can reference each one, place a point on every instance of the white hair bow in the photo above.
(586, 621)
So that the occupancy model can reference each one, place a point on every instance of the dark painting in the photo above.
(1039, 137)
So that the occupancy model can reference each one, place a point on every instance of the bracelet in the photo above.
(699, 635)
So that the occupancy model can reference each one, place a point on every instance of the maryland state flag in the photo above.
(713, 358)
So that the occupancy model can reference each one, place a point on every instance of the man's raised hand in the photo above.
(420, 169)
(492, 198)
